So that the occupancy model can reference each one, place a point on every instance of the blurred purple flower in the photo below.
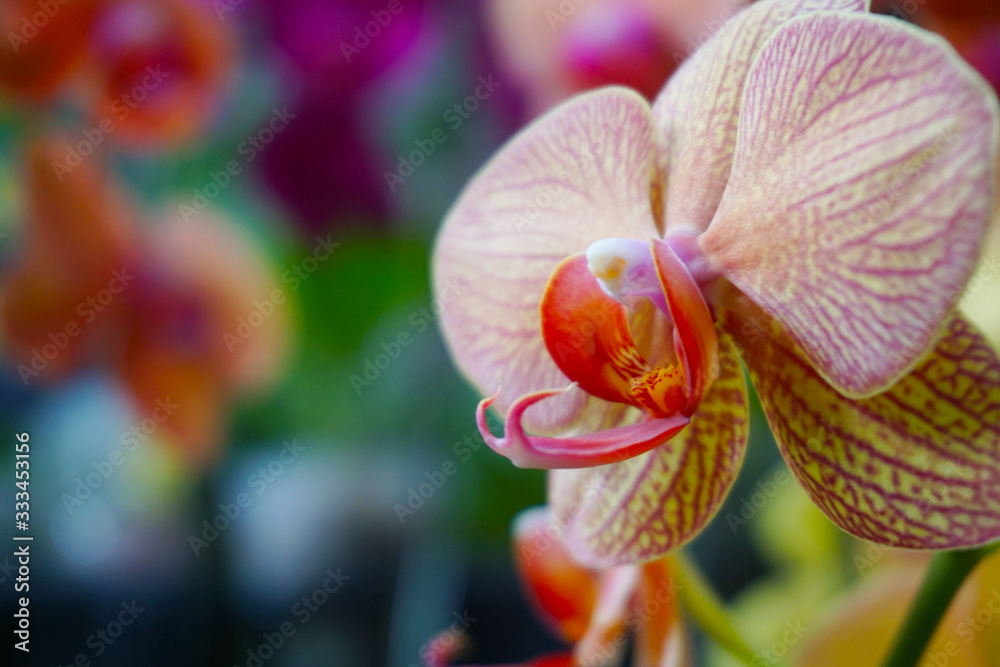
(324, 167)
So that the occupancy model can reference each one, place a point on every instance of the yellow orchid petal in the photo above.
(638, 510)
(917, 466)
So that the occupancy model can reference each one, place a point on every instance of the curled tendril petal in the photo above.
(613, 445)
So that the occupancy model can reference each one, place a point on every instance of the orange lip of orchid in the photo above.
(585, 328)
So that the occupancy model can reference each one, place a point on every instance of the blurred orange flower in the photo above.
(160, 304)
(151, 71)
(158, 67)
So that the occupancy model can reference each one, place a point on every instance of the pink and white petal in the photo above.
(638, 510)
(697, 114)
(863, 184)
(917, 466)
(581, 173)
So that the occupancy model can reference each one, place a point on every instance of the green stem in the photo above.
(947, 571)
(705, 607)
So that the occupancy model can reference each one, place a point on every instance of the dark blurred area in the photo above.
(248, 444)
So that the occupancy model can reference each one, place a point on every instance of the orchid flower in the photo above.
(808, 193)
(595, 611)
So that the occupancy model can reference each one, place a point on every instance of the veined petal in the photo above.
(863, 183)
(917, 466)
(581, 173)
(697, 113)
(638, 510)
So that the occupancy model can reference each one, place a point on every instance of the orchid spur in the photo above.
(595, 611)
(808, 193)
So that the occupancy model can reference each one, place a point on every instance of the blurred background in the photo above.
(248, 445)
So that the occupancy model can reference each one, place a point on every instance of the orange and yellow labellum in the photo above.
(586, 331)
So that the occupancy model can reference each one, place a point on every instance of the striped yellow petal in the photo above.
(917, 466)
(638, 510)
